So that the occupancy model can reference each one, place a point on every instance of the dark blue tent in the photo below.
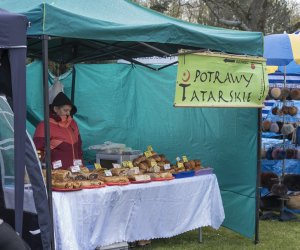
(13, 50)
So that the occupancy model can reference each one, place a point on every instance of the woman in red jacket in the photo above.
(65, 141)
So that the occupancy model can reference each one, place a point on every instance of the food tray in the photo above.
(117, 183)
(65, 189)
(138, 182)
(204, 171)
(94, 186)
(163, 179)
(184, 174)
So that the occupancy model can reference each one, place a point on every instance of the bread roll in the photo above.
(119, 171)
(143, 165)
(276, 93)
(295, 94)
(162, 157)
(139, 177)
(154, 175)
(60, 175)
(62, 184)
(292, 110)
(166, 175)
(115, 179)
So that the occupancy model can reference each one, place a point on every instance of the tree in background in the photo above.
(267, 16)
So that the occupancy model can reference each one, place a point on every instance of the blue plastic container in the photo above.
(184, 174)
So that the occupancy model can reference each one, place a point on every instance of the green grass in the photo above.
(273, 235)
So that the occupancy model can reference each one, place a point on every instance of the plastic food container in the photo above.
(184, 174)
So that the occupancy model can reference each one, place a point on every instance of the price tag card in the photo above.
(149, 148)
(136, 170)
(75, 169)
(107, 173)
(180, 165)
(97, 165)
(184, 158)
(129, 164)
(148, 153)
(153, 163)
(177, 158)
(77, 162)
(116, 165)
(57, 164)
(167, 166)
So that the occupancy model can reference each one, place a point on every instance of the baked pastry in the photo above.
(79, 176)
(287, 129)
(139, 177)
(154, 169)
(115, 179)
(62, 184)
(295, 94)
(157, 158)
(138, 160)
(266, 124)
(143, 165)
(154, 175)
(187, 165)
(87, 183)
(285, 109)
(274, 127)
(162, 157)
(292, 110)
(197, 167)
(92, 176)
(197, 162)
(84, 169)
(166, 175)
(285, 92)
(60, 174)
(119, 171)
(276, 93)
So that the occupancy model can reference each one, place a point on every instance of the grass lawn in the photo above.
(273, 235)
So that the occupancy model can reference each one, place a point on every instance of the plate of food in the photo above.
(56, 189)
(94, 186)
(163, 179)
(138, 182)
(117, 183)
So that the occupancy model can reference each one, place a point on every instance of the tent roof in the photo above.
(12, 28)
(119, 29)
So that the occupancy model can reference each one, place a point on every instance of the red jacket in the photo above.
(65, 141)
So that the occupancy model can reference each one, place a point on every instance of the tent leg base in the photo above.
(286, 216)
(269, 216)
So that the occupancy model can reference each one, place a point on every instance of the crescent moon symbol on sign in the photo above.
(186, 76)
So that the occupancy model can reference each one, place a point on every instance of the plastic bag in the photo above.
(54, 89)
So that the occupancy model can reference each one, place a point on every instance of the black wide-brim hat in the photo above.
(60, 100)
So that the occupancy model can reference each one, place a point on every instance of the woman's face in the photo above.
(64, 110)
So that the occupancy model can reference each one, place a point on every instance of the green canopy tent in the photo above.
(85, 29)
(71, 31)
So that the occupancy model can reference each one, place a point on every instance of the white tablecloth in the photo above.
(98, 217)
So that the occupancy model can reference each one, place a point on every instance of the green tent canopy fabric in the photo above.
(134, 105)
(88, 29)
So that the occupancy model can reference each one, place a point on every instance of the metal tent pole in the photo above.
(45, 40)
(73, 84)
(258, 171)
